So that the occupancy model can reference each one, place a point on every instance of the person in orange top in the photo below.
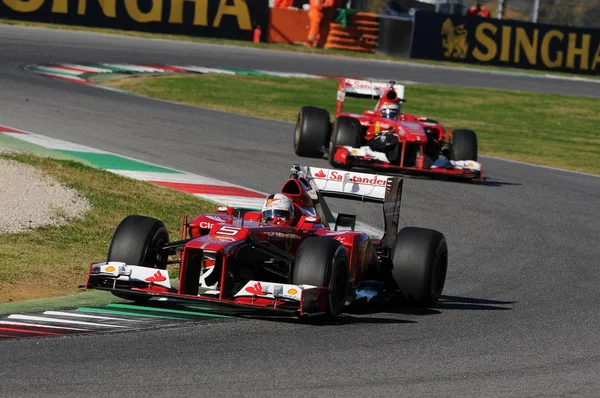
(315, 15)
(478, 10)
(284, 3)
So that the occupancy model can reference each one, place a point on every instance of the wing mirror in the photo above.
(226, 209)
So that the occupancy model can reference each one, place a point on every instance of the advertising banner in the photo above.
(489, 41)
(229, 19)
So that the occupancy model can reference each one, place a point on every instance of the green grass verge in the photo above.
(283, 47)
(545, 129)
(53, 261)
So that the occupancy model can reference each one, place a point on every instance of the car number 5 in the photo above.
(228, 231)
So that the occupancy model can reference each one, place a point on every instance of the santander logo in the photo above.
(157, 277)
(256, 289)
(368, 180)
(366, 84)
(320, 174)
(339, 176)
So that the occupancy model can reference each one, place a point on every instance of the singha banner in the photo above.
(505, 43)
(230, 19)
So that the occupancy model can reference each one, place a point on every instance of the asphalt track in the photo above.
(520, 316)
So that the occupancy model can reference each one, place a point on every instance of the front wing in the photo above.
(364, 157)
(255, 297)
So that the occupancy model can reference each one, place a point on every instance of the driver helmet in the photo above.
(278, 209)
(390, 110)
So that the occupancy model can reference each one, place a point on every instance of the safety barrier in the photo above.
(290, 26)
(359, 33)
(209, 18)
(489, 41)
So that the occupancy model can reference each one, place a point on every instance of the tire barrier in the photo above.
(359, 34)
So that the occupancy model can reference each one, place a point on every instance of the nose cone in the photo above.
(412, 131)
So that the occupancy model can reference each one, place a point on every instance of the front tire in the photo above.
(324, 262)
(312, 132)
(347, 131)
(420, 263)
(464, 145)
(135, 242)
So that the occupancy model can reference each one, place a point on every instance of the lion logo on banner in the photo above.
(455, 40)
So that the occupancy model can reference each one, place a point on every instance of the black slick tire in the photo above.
(132, 243)
(464, 145)
(134, 239)
(420, 263)
(311, 135)
(322, 261)
(347, 131)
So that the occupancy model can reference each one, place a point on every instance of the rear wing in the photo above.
(365, 187)
(364, 89)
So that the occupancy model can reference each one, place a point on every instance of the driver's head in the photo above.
(277, 209)
(389, 110)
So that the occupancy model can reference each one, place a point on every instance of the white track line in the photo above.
(134, 68)
(78, 315)
(54, 143)
(61, 76)
(59, 71)
(55, 320)
(185, 178)
(290, 74)
(87, 69)
(201, 69)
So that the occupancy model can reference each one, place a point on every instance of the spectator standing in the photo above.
(315, 15)
(478, 10)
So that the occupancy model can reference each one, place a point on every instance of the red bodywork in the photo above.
(420, 138)
(225, 245)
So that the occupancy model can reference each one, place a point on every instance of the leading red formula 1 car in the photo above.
(297, 260)
(384, 138)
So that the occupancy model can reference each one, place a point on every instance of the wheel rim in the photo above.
(160, 258)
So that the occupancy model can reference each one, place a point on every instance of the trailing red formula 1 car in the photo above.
(384, 138)
(291, 258)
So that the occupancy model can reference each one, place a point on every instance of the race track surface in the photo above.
(520, 314)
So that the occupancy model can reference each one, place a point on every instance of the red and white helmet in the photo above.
(277, 207)
(389, 110)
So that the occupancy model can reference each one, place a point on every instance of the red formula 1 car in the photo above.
(384, 138)
(302, 263)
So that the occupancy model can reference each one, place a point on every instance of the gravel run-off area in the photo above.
(29, 199)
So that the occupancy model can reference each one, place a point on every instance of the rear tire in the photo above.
(312, 132)
(420, 263)
(132, 244)
(464, 145)
(324, 262)
(347, 131)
